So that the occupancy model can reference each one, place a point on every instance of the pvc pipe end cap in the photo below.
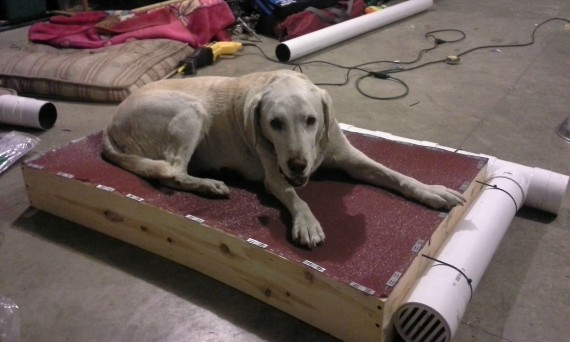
(546, 190)
(411, 321)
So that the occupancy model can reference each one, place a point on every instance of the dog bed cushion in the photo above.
(106, 74)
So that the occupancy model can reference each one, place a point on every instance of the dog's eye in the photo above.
(311, 120)
(276, 124)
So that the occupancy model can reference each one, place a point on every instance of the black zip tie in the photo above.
(503, 190)
(443, 263)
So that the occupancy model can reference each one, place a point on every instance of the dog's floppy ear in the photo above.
(329, 119)
(251, 120)
(252, 113)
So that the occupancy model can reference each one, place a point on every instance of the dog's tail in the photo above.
(141, 166)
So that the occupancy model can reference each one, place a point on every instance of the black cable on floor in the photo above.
(397, 65)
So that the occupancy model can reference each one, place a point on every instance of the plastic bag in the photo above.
(9, 320)
(13, 146)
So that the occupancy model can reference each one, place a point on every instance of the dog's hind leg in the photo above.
(205, 186)
(185, 132)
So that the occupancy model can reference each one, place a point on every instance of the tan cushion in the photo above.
(104, 75)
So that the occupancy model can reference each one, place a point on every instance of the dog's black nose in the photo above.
(297, 165)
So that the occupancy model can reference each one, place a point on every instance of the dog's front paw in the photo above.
(440, 197)
(307, 230)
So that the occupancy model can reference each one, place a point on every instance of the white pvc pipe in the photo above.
(318, 40)
(23, 111)
(437, 302)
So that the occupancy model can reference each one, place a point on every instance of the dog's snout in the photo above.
(297, 165)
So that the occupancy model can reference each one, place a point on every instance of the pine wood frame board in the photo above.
(349, 287)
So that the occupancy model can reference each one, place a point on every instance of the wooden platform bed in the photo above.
(349, 287)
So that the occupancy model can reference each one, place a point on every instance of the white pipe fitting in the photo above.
(546, 189)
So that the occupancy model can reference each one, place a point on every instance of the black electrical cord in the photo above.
(455, 59)
(531, 42)
(349, 69)
(397, 65)
(379, 75)
(382, 76)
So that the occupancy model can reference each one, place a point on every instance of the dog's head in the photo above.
(292, 117)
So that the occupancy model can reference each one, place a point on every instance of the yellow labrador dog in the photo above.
(276, 127)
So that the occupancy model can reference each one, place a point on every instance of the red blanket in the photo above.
(196, 26)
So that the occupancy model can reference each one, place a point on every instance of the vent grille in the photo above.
(419, 323)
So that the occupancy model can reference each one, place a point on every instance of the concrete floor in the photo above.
(73, 284)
